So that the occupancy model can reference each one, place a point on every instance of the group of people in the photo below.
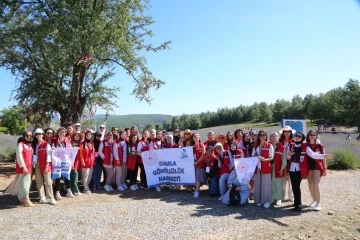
(115, 158)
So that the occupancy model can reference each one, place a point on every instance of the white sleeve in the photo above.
(271, 151)
(115, 152)
(19, 157)
(231, 157)
(139, 147)
(313, 155)
(124, 151)
(151, 145)
(48, 153)
(101, 147)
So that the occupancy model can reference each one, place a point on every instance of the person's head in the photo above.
(152, 133)
(209, 150)
(229, 137)
(77, 127)
(127, 130)
(196, 137)
(39, 134)
(211, 136)
(187, 134)
(88, 136)
(286, 133)
(299, 137)
(311, 137)
(61, 132)
(262, 136)
(133, 138)
(238, 134)
(102, 128)
(254, 136)
(49, 133)
(176, 132)
(115, 130)
(97, 136)
(159, 134)
(164, 132)
(274, 137)
(233, 147)
(169, 138)
(219, 148)
(76, 137)
(108, 136)
(70, 129)
(221, 138)
(145, 134)
(134, 130)
(27, 136)
(246, 137)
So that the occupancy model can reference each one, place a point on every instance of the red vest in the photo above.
(42, 155)
(66, 140)
(120, 153)
(198, 148)
(89, 155)
(304, 164)
(27, 153)
(144, 148)
(319, 162)
(279, 150)
(76, 165)
(264, 151)
(107, 152)
(131, 160)
(225, 166)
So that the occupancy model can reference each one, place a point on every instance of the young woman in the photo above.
(246, 142)
(24, 152)
(225, 168)
(170, 143)
(317, 167)
(187, 140)
(235, 153)
(210, 140)
(143, 146)
(287, 141)
(212, 170)
(278, 168)
(221, 138)
(105, 152)
(177, 136)
(157, 143)
(200, 164)
(265, 152)
(298, 151)
(49, 135)
(242, 187)
(42, 160)
(74, 175)
(229, 139)
(132, 160)
(63, 142)
(123, 143)
(87, 163)
(238, 135)
(98, 163)
(119, 156)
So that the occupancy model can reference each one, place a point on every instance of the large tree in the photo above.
(63, 51)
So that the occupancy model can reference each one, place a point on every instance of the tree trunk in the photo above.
(77, 101)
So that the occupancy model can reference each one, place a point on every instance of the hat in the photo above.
(218, 144)
(39, 130)
(102, 125)
(287, 128)
(77, 124)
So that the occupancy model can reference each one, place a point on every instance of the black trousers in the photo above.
(295, 183)
(142, 174)
(132, 174)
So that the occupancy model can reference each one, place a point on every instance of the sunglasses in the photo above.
(262, 135)
(286, 131)
(176, 132)
(48, 133)
(218, 147)
(101, 127)
(37, 134)
(27, 135)
(299, 136)
(187, 133)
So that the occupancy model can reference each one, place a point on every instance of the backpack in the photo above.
(234, 196)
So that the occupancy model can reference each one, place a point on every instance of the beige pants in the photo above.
(287, 182)
(314, 184)
(124, 173)
(86, 174)
(42, 179)
(118, 175)
(110, 176)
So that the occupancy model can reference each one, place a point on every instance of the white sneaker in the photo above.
(125, 186)
(111, 187)
(133, 187)
(70, 194)
(259, 204)
(221, 198)
(52, 201)
(313, 204)
(77, 194)
(278, 203)
(136, 186)
(57, 196)
(42, 200)
(196, 194)
(158, 189)
(120, 188)
(266, 205)
(87, 191)
(291, 199)
(107, 188)
(317, 207)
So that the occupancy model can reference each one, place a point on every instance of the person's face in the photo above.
(165, 134)
(298, 137)
(88, 136)
(211, 136)
(287, 133)
(98, 137)
(254, 137)
(159, 135)
(123, 135)
(133, 131)
(128, 133)
(232, 147)
(152, 134)
(209, 152)
(247, 137)
(219, 149)
(312, 136)
(77, 128)
(134, 138)
(70, 129)
(273, 138)
(196, 137)
(115, 130)
(62, 133)
(176, 133)
(38, 136)
(262, 136)
(102, 128)
(28, 136)
(77, 137)
(168, 139)
(108, 136)
(145, 134)
(230, 136)
(239, 135)
(49, 133)
(187, 134)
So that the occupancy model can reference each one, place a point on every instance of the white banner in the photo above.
(173, 166)
(62, 160)
(245, 168)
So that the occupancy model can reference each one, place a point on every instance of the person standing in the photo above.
(87, 163)
(278, 168)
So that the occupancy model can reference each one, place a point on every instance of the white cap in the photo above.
(38, 130)
(77, 124)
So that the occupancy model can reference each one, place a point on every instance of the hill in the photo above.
(139, 120)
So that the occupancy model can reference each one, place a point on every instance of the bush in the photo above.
(7, 155)
(344, 159)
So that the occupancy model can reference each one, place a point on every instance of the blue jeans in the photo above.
(214, 185)
(223, 183)
(96, 175)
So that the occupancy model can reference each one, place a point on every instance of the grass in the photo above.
(344, 159)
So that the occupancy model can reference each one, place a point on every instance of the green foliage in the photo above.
(13, 120)
(4, 130)
(344, 159)
(149, 126)
(63, 51)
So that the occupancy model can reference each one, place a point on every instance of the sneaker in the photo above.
(111, 187)
(221, 198)
(107, 188)
(296, 209)
(42, 200)
(94, 187)
(99, 187)
(70, 194)
(258, 204)
(317, 207)
(133, 187)
(77, 194)
(313, 204)
(87, 191)
(136, 186)
(291, 199)
(120, 188)
(125, 186)
(57, 196)
(52, 201)
(196, 194)
(158, 189)
(278, 203)
(266, 205)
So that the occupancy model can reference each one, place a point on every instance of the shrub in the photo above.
(344, 159)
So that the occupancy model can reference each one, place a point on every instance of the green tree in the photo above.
(265, 113)
(63, 51)
(281, 109)
(167, 125)
(175, 123)
(157, 127)
(184, 121)
(351, 103)
(13, 118)
(149, 126)
(194, 122)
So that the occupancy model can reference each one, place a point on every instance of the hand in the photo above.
(83, 164)
(292, 153)
(25, 170)
(230, 186)
(281, 171)
(195, 163)
(329, 156)
(261, 158)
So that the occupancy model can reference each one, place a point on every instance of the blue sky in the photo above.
(227, 53)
